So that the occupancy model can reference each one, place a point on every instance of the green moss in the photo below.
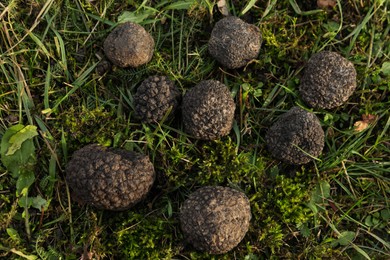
(85, 125)
(146, 237)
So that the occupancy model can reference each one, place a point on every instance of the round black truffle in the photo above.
(109, 178)
(129, 45)
(215, 219)
(234, 43)
(155, 97)
(208, 110)
(296, 137)
(328, 80)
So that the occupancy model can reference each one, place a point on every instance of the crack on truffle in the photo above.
(215, 219)
(294, 134)
(208, 110)
(328, 80)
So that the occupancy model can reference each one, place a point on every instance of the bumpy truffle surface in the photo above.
(328, 80)
(155, 97)
(208, 110)
(294, 136)
(215, 219)
(234, 43)
(109, 178)
(129, 45)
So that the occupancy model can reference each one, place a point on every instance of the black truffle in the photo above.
(109, 178)
(129, 45)
(215, 219)
(234, 43)
(155, 97)
(328, 80)
(208, 110)
(296, 137)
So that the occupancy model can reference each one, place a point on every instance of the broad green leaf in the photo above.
(20, 137)
(386, 68)
(13, 234)
(22, 159)
(5, 144)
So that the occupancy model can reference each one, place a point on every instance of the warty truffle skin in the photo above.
(208, 110)
(129, 45)
(293, 132)
(109, 178)
(215, 219)
(154, 97)
(234, 43)
(328, 80)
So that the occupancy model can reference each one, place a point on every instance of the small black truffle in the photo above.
(296, 137)
(208, 110)
(129, 45)
(109, 178)
(234, 43)
(328, 80)
(215, 219)
(155, 97)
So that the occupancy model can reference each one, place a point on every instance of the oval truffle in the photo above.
(215, 219)
(296, 137)
(109, 178)
(129, 45)
(208, 110)
(234, 43)
(155, 97)
(328, 80)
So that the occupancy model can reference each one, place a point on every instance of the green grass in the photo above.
(337, 207)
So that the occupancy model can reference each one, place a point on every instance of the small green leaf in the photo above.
(251, 256)
(24, 181)
(386, 68)
(135, 17)
(13, 234)
(248, 6)
(368, 221)
(346, 237)
(180, 5)
(385, 214)
(305, 231)
(38, 202)
(322, 191)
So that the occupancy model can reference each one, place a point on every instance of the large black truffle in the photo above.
(215, 219)
(109, 178)
(296, 137)
(328, 80)
(208, 110)
(155, 97)
(234, 43)
(129, 45)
